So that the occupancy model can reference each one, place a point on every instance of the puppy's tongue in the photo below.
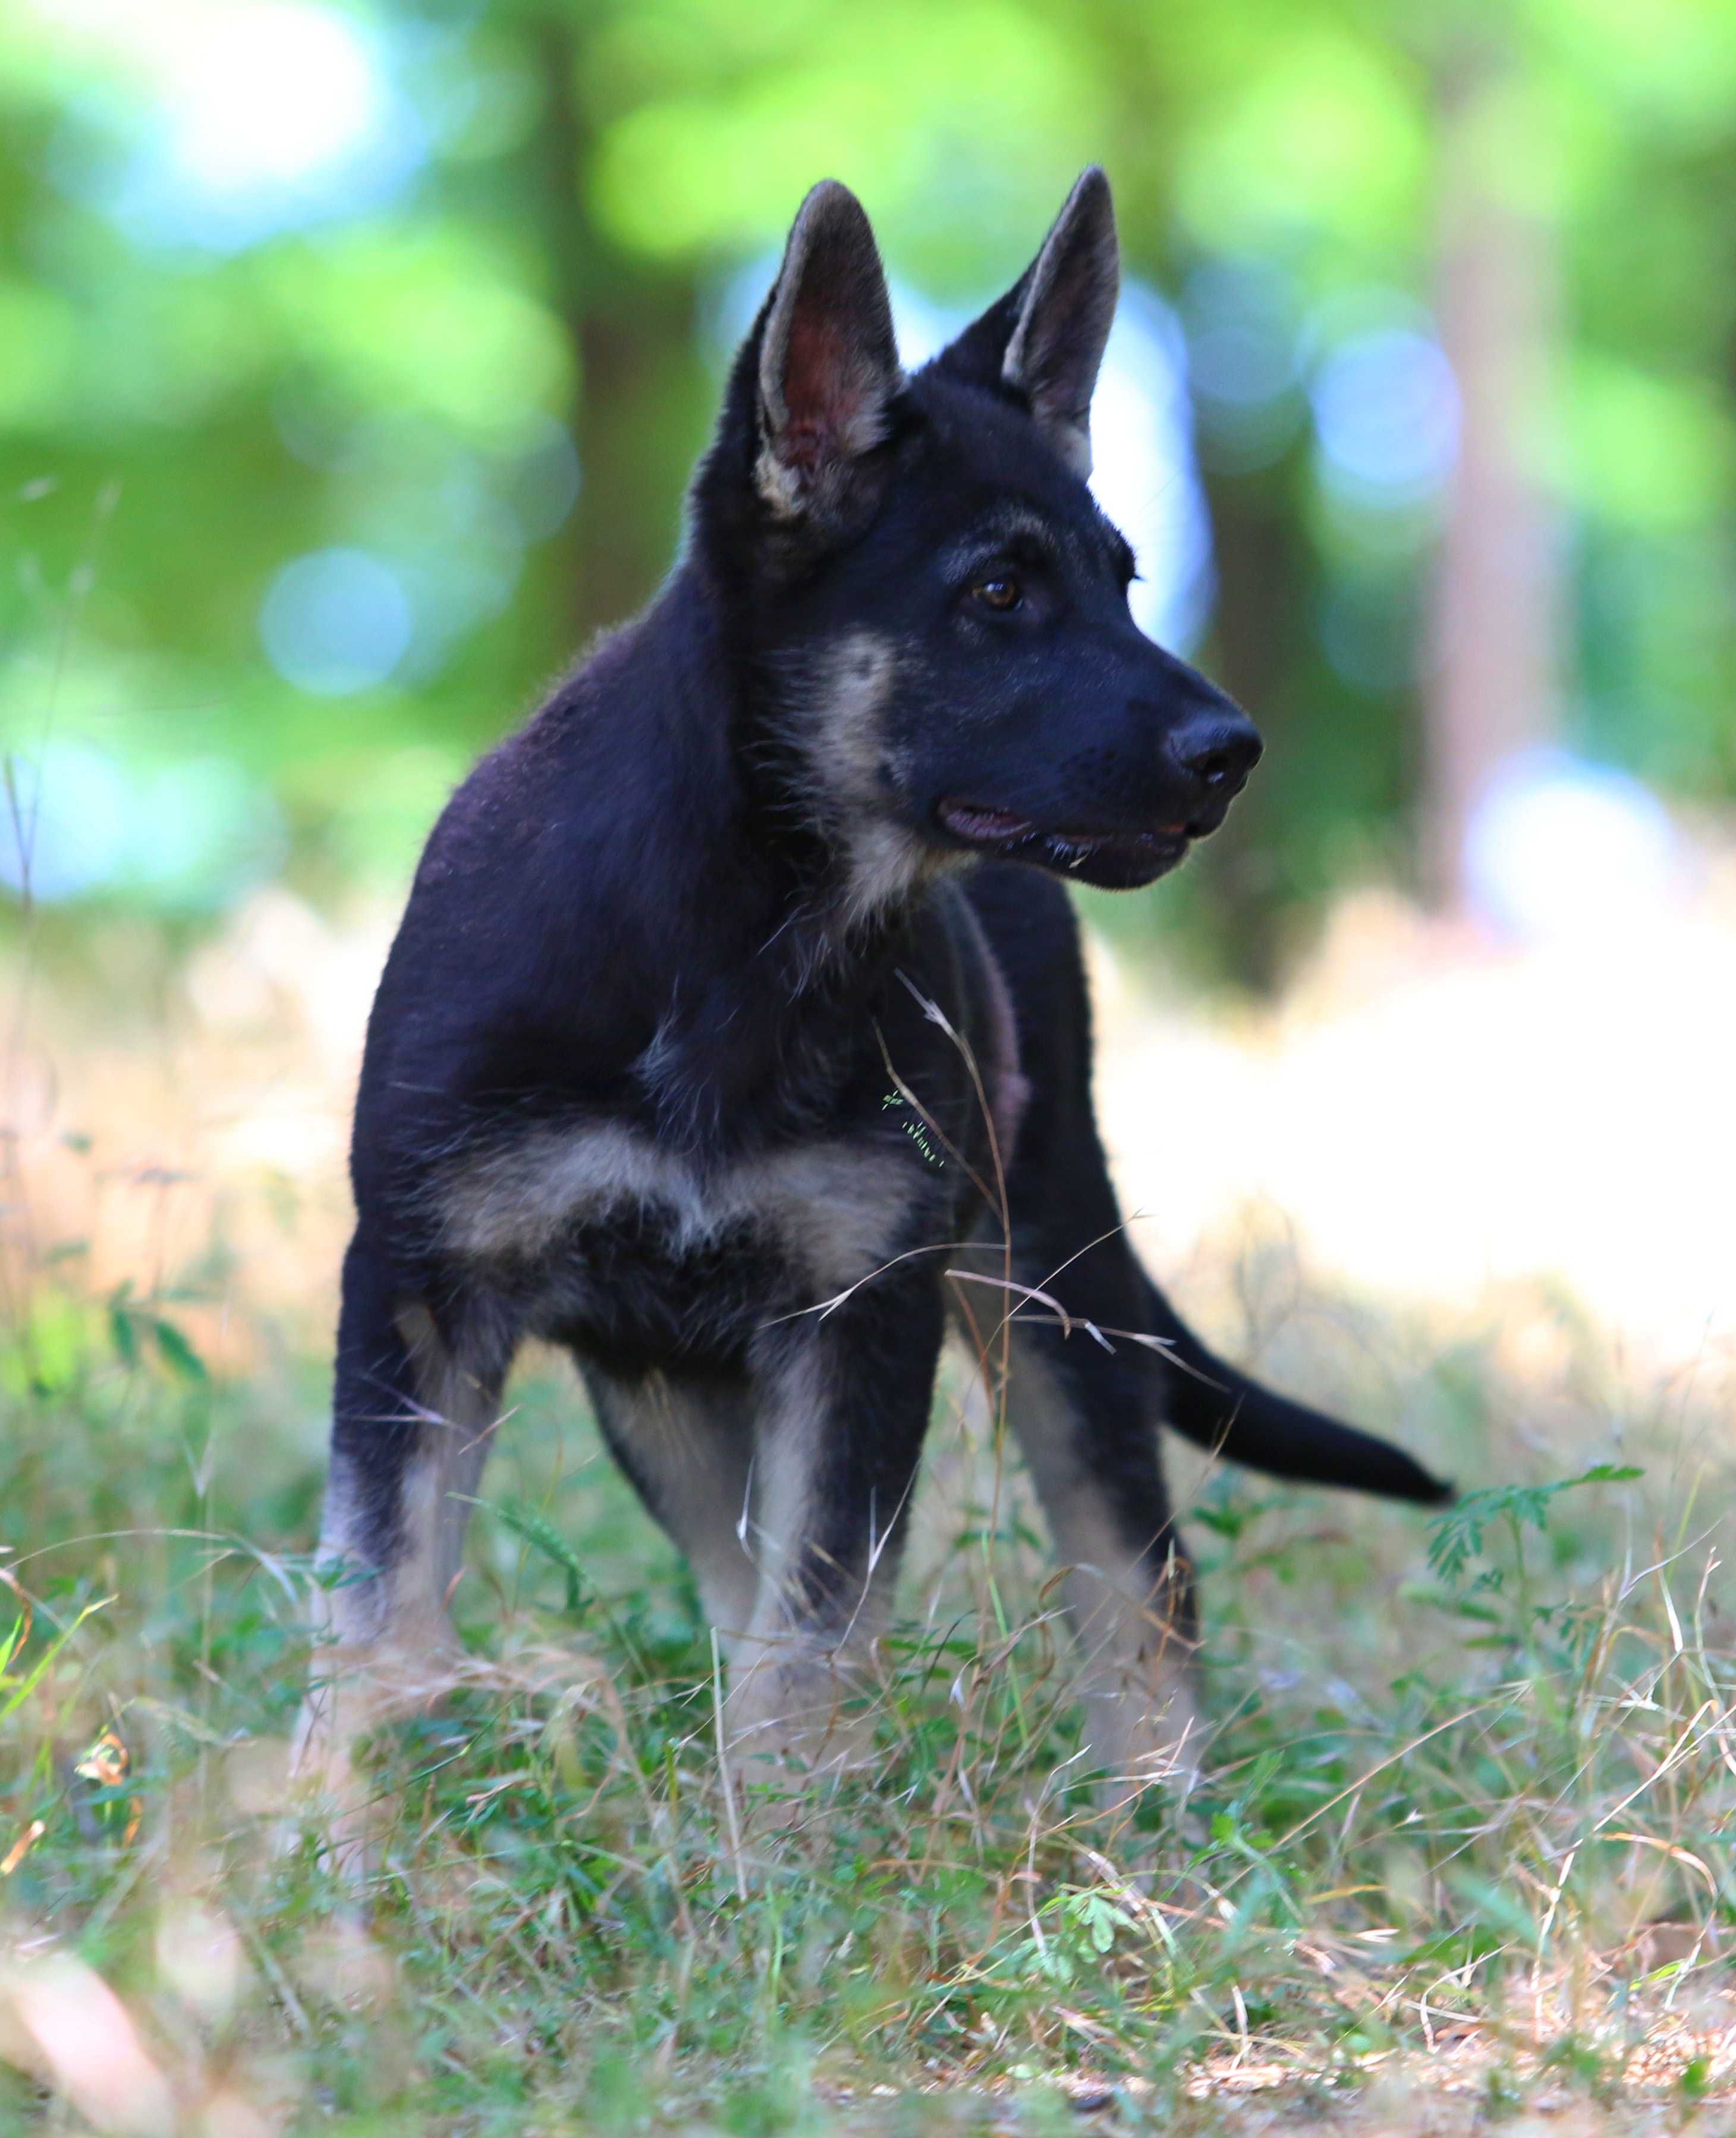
(970, 822)
(985, 827)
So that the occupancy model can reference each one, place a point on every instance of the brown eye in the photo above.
(1002, 593)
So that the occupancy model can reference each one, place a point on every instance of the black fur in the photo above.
(750, 896)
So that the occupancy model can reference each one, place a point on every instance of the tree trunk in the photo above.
(1259, 654)
(1494, 681)
(638, 373)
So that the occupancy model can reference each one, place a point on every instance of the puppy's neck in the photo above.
(777, 911)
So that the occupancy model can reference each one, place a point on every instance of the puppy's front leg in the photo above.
(413, 1414)
(842, 1405)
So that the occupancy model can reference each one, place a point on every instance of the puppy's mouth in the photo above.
(1114, 860)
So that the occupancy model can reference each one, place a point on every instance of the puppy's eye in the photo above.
(1002, 593)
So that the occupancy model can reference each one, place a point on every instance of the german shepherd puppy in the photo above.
(736, 1036)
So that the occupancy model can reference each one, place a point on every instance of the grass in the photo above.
(1461, 1853)
(1463, 1849)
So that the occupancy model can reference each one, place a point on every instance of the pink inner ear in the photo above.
(816, 391)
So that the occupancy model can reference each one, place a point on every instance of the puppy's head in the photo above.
(924, 586)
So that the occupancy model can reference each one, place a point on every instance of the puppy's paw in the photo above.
(331, 1811)
(335, 1811)
(1149, 1738)
(792, 1730)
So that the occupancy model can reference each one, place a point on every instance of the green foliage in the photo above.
(187, 408)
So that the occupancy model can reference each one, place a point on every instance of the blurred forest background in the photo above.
(352, 359)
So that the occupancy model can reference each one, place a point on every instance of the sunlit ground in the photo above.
(1429, 1118)
(1461, 1851)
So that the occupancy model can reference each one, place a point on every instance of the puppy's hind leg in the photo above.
(1090, 1442)
(415, 1408)
(1084, 1412)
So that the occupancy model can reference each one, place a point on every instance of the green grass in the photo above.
(1463, 1843)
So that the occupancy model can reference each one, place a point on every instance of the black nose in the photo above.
(1219, 749)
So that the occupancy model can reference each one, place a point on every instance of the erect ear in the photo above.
(1044, 340)
(828, 363)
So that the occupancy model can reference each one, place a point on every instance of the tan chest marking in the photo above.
(835, 1208)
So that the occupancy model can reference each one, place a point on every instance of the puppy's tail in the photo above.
(1215, 1407)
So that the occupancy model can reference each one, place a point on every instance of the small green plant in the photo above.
(541, 1534)
(132, 1320)
(1457, 1536)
